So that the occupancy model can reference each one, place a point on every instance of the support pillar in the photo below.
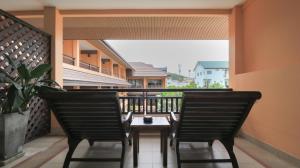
(235, 44)
(53, 24)
(76, 52)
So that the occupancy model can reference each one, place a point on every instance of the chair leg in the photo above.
(171, 142)
(178, 155)
(123, 154)
(72, 146)
(91, 142)
(210, 143)
(229, 148)
(129, 141)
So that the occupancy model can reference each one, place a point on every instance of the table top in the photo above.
(138, 122)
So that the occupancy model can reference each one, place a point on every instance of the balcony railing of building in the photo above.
(116, 74)
(136, 86)
(105, 71)
(122, 75)
(155, 86)
(88, 66)
(68, 60)
(152, 101)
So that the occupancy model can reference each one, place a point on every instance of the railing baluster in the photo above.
(177, 105)
(139, 104)
(128, 104)
(167, 104)
(150, 105)
(133, 104)
(172, 103)
(156, 103)
(161, 105)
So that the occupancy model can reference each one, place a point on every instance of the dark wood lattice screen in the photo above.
(30, 45)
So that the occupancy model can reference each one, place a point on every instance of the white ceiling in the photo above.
(13, 5)
(84, 45)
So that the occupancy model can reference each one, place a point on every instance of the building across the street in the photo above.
(211, 72)
(147, 76)
(176, 80)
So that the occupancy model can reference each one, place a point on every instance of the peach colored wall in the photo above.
(93, 59)
(272, 33)
(271, 64)
(68, 47)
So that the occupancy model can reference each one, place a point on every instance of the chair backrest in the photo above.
(91, 115)
(207, 116)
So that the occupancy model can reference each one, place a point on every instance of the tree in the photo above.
(191, 85)
(215, 85)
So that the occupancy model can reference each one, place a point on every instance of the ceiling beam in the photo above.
(125, 13)
(28, 14)
(144, 12)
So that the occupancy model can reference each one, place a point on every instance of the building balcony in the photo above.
(68, 60)
(106, 71)
(88, 75)
(89, 66)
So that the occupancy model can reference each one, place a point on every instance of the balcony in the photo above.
(68, 60)
(88, 66)
(54, 148)
(106, 71)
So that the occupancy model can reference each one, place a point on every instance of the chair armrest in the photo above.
(173, 117)
(128, 118)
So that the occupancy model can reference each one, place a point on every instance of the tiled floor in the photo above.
(150, 156)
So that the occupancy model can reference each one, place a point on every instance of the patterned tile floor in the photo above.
(149, 155)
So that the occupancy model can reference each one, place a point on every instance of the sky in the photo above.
(171, 53)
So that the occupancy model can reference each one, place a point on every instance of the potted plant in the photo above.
(14, 100)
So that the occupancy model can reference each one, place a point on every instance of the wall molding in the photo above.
(283, 155)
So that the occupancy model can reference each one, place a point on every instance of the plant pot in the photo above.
(12, 136)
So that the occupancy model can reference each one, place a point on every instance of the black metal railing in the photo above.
(88, 66)
(152, 101)
(69, 60)
(150, 104)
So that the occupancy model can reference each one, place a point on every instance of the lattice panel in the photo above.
(27, 44)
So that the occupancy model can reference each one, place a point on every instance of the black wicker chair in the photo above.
(94, 116)
(209, 116)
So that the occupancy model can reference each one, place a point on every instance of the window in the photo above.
(226, 83)
(155, 83)
(136, 83)
(206, 82)
(198, 74)
(225, 73)
(208, 72)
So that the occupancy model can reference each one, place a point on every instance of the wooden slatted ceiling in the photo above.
(148, 28)
(201, 27)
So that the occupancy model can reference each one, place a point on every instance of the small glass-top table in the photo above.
(158, 124)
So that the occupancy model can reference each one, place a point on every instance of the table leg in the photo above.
(165, 147)
(138, 143)
(161, 141)
(135, 147)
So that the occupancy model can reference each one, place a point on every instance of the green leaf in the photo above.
(14, 99)
(40, 70)
(24, 72)
(5, 79)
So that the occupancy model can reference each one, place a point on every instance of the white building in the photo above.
(210, 72)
